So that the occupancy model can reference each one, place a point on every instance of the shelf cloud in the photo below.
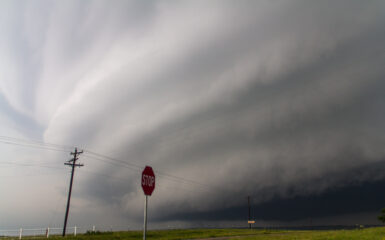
(277, 100)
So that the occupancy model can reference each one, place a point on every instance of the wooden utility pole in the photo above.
(248, 203)
(73, 164)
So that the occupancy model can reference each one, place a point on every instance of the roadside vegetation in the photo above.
(377, 233)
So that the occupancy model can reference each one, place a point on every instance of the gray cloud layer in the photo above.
(266, 98)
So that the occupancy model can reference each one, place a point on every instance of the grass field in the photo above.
(377, 233)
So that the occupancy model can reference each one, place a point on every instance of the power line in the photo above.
(34, 146)
(36, 142)
(135, 167)
(32, 165)
(120, 165)
(30, 175)
(137, 181)
(103, 158)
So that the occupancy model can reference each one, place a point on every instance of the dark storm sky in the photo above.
(281, 100)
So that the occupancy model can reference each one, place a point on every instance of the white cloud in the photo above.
(271, 92)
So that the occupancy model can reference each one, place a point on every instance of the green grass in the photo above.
(377, 233)
(165, 234)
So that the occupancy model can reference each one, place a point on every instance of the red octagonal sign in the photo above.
(148, 180)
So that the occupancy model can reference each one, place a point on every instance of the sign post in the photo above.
(148, 186)
(145, 218)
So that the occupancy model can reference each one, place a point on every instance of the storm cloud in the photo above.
(274, 99)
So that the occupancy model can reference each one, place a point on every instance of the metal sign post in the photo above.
(145, 218)
(148, 186)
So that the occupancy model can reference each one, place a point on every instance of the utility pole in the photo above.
(73, 164)
(248, 203)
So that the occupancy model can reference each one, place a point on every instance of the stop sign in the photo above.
(148, 180)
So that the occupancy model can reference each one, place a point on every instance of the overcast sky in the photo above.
(280, 100)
